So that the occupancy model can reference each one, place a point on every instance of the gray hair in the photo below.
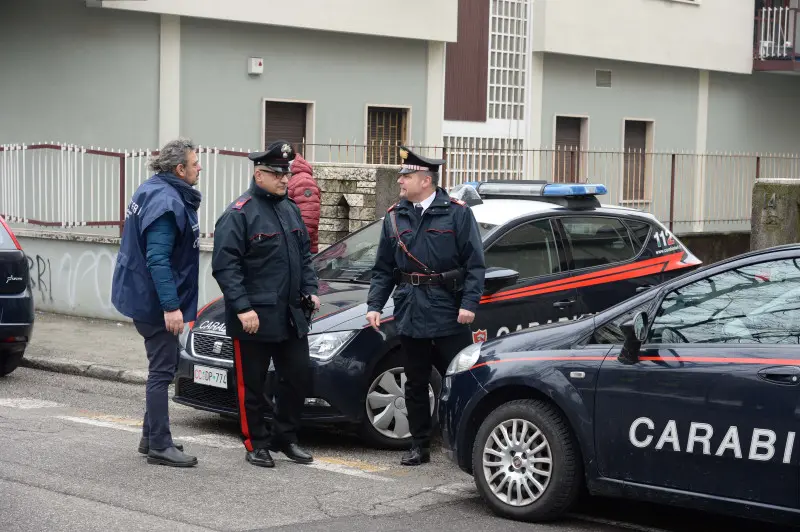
(171, 155)
(434, 178)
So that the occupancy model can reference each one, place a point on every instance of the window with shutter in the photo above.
(387, 129)
(568, 149)
(635, 159)
(287, 121)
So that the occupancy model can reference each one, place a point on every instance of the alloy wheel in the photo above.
(386, 404)
(517, 462)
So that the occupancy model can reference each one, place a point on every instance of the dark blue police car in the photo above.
(16, 301)
(553, 253)
(687, 394)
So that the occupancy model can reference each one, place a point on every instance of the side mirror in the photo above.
(635, 332)
(497, 278)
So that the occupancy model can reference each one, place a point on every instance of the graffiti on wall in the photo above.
(88, 275)
(41, 277)
(76, 279)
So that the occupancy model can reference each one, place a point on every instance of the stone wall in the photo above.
(776, 213)
(352, 196)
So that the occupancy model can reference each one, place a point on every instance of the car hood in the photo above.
(551, 337)
(339, 302)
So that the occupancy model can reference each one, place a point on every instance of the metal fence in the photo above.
(64, 186)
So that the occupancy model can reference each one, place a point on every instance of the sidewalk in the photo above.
(82, 346)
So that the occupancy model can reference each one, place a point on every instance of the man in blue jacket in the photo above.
(155, 282)
(430, 249)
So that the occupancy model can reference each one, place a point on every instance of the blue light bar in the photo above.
(553, 189)
(510, 189)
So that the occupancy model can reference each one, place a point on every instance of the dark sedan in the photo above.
(16, 301)
(687, 395)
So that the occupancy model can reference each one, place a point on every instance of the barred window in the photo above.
(508, 45)
(387, 129)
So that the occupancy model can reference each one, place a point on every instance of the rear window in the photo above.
(6, 242)
(640, 231)
(597, 241)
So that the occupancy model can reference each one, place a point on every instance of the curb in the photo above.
(86, 369)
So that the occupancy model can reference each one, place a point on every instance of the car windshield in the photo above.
(352, 258)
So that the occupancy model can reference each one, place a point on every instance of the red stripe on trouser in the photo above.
(237, 352)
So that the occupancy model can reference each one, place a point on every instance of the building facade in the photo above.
(130, 74)
(638, 76)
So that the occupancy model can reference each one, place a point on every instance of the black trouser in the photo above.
(251, 360)
(420, 355)
(163, 350)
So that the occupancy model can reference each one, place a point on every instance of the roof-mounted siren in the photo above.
(573, 195)
(467, 193)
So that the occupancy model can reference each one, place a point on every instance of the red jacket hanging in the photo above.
(305, 192)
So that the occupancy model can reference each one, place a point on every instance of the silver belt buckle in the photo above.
(412, 279)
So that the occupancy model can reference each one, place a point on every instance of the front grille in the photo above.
(203, 345)
(209, 395)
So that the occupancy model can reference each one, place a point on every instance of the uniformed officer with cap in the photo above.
(262, 263)
(431, 250)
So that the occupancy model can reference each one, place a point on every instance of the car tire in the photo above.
(8, 363)
(557, 490)
(393, 364)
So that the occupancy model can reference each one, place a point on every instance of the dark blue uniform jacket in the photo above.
(446, 238)
(133, 292)
(262, 262)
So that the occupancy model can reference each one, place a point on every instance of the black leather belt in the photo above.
(451, 279)
(417, 279)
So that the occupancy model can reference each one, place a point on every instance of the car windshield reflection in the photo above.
(352, 258)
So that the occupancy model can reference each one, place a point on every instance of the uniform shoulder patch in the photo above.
(240, 203)
(458, 202)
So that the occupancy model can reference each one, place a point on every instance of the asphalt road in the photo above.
(68, 461)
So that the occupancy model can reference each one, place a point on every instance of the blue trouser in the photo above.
(163, 350)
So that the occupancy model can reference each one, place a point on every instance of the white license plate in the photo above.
(211, 376)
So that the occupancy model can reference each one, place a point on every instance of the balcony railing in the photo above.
(775, 37)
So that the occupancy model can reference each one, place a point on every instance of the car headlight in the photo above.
(465, 359)
(326, 345)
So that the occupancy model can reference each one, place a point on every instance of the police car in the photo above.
(687, 394)
(553, 253)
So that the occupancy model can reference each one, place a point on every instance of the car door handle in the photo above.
(781, 375)
(563, 303)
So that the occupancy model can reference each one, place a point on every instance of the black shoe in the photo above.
(170, 457)
(144, 446)
(294, 452)
(260, 457)
(416, 456)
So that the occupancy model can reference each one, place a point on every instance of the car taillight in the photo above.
(12, 339)
(11, 233)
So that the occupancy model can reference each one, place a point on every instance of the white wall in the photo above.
(412, 19)
(73, 276)
(714, 35)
